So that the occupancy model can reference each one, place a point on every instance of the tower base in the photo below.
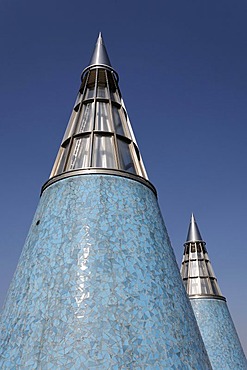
(98, 286)
(219, 334)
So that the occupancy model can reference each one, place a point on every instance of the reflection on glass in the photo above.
(210, 270)
(71, 125)
(117, 121)
(194, 268)
(80, 153)
(193, 252)
(78, 101)
(205, 286)
(186, 257)
(126, 162)
(62, 159)
(114, 96)
(89, 92)
(185, 269)
(202, 268)
(102, 91)
(112, 87)
(86, 118)
(214, 287)
(103, 155)
(102, 117)
(194, 286)
(185, 284)
(102, 86)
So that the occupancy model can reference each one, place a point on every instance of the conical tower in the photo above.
(97, 285)
(210, 308)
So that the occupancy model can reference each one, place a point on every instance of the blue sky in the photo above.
(182, 67)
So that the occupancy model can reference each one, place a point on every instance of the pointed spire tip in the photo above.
(100, 56)
(193, 232)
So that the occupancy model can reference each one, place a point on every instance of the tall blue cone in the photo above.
(97, 285)
(210, 308)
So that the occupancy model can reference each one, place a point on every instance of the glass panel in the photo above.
(199, 251)
(112, 87)
(186, 257)
(210, 270)
(90, 85)
(193, 251)
(136, 160)
(77, 102)
(194, 268)
(102, 117)
(205, 286)
(86, 118)
(185, 284)
(80, 153)
(103, 152)
(202, 268)
(200, 255)
(71, 125)
(117, 121)
(102, 91)
(126, 162)
(62, 159)
(199, 248)
(89, 92)
(184, 272)
(102, 87)
(194, 286)
(215, 287)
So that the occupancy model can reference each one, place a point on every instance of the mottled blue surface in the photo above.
(219, 334)
(97, 285)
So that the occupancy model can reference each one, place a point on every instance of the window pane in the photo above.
(71, 125)
(112, 87)
(103, 152)
(210, 270)
(194, 286)
(126, 162)
(117, 121)
(205, 286)
(89, 92)
(185, 284)
(80, 153)
(102, 91)
(184, 272)
(202, 268)
(215, 288)
(194, 268)
(86, 118)
(102, 87)
(102, 117)
(90, 85)
(61, 160)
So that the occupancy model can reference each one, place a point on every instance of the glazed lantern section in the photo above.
(99, 134)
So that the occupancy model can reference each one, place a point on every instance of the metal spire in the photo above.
(196, 270)
(100, 56)
(193, 232)
(99, 137)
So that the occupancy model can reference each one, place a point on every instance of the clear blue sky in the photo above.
(182, 67)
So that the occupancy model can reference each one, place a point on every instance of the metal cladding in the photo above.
(100, 56)
(214, 320)
(193, 232)
(97, 285)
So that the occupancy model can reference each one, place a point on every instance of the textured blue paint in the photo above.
(98, 286)
(219, 334)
